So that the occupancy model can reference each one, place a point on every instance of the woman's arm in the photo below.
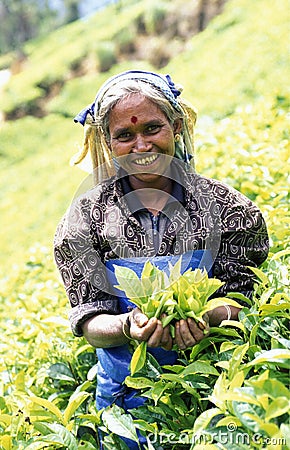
(105, 330)
(79, 259)
(217, 315)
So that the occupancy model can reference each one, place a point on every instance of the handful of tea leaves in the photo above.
(177, 296)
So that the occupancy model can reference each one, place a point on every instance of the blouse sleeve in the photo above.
(79, 261)
(244, 242)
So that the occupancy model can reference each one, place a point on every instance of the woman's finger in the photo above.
(155, 338)
(178, 337)
(143, 333)
(166, 339)
(195, 331)
(138, 318)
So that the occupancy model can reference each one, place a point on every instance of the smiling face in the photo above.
(143, 138)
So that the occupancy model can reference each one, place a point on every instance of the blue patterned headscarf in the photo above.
(162, 82)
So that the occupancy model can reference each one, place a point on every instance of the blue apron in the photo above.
(113, 363)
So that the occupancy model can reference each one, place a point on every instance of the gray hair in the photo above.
(125, 89)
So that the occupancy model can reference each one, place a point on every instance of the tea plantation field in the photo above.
(228, 392)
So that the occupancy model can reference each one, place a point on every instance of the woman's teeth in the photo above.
(147, 160)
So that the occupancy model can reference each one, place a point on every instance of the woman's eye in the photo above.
(124, 136)
(153, 128)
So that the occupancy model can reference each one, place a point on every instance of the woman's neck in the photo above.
(153, 197)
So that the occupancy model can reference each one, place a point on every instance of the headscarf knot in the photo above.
(176, 92)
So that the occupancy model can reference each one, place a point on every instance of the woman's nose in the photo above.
(141, 144)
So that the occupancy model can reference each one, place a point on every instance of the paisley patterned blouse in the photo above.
(100, 226)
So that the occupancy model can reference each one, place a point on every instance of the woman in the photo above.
(149, 204)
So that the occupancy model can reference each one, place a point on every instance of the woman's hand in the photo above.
(150, 330)
(189, 332)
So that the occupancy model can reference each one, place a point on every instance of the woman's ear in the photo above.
(177, 126)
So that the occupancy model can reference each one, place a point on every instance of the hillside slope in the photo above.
(240, 57)
(130, 30)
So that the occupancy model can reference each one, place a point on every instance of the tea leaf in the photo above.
(73, 405)
(157, 390)
(175, 271)
(60, 371)
(148, 270)
(48, 405)
(278, 407)
(5, 419)
(138, 358)
(213, 285)
(200, 367)
(58, 435)
(129, 282)
(260, 275)
(204, 419)
(237, 357)
(145, 426)
(228, 421)
(166, 320)
(179, 380)
(138, 382)
(164, 298)
(119, 423)
(233, 323)
(239, 296)
(275, 356)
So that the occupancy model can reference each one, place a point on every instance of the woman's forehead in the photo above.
(135, 110)
(134, 105)
(132, 100)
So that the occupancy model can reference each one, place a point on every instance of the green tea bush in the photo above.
(43, 369)
(52, 57)
(256, 139)
(228, 392)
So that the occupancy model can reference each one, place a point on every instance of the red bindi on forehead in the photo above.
(134, 119)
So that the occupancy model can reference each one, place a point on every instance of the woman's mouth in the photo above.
(146, 160)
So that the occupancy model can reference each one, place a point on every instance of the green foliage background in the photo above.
(235, 72)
